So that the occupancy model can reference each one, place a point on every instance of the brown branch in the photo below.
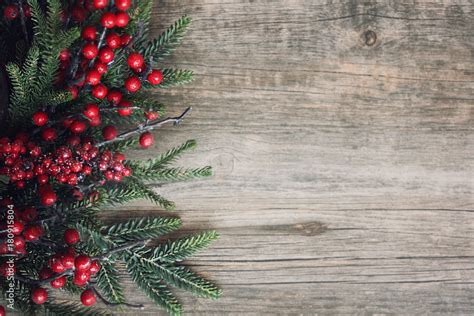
(146, 127)
(106, 302)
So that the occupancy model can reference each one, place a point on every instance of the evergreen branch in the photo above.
(121, 248)
(151, 285)
(143, 228)
(174, 174)
(107, 280)
(174, 77)
(162, 161)
(146, 127)
(106, 302)
(146, 192)
(183, 248)
(167, 41)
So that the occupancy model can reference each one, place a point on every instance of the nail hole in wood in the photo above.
(369, 37)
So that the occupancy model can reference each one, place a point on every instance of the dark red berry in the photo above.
(93, 77)
(100, 67)
(99, 91)
(32, 232)
(48, 197)
(89, 33)
(82, 262)
(11, 12)
(68, 260)
(78, 127)
(59, 282)
(106, 55)
(40, 118)
(29, 214)
(91, 110)
(132, 84)
(81, 277)
(71, 236)
(109, 132)
(100, 4)
(121, 19)
(45, 273)
(125, 39)
(49, 134)
(125, 108)
(155, 77)
(90, 51)
(88, 298)
(74, 92)
(108, 20)
(95, 267)
(135, 60)
(113, 40)
(56, 264)
(64, 55)
(114, 96)
(151, 115)
(123, 4)
(39, 295)
(146, 140)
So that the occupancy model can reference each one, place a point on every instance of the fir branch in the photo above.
(167, 41)
(146, 127)
(173, 77)
(120, 249)
(142, 228)
(111, 304)
(108, 281)
(67, 308)
(183, 248)
(151, 285)
(146, 192)
(174, 174)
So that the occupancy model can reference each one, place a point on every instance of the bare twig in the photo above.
(146, 127)
(106, 302)
(42, 282)
(120, 249)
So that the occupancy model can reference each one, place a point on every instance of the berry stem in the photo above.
(121, 248)
(146, 127)
(42, 282)
(23, 22)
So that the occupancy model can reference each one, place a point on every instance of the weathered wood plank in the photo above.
(341, 134)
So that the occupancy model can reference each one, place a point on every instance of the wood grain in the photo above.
(341, 134)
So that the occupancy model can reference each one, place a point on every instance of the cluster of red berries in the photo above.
(80, 266)
(112, 166)
(23, 230)
(12, 11)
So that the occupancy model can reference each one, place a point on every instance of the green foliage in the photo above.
(181, 249)
(108, 282)
(176, 77)
(143, 228)
(67, 308)
(162, 46)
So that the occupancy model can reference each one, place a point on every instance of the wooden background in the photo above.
(341, 134)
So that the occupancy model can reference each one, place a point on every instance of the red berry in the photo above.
(96, 121)
(39, 295)
(155, 77)
(106, 55)
(17, 227)
(7, 269)
(109, 132)
(48, 197)
(100, 67)
(100, 4)
(132, 84)
(135, 60)
(99, 91)
(108, 20)
(78, 127)
(114, 96)
(29, 214)
(56, 264)
(40, 118)
(74, 92)
(81, 277)
(71, 236)
(88, 298)
(90, 51)
(146, 140)
(19, 242)
(27, 10)
(11, 12)
(78, 14)
(2, 310)
(123, 4)
(64, 55)
(82, 262)
(125, 39)
(59, 282)
(32, 232)
(151, 115)
(68, 260)
(49, 134)
(121, 19)
(113, 40)
(95, 267)
(125, 108)
(91, 110)
(93, 77)
(45, 273)
(89, 33)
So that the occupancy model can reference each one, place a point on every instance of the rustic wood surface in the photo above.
(341, 134)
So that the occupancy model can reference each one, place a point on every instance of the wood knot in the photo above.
(369, 37)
